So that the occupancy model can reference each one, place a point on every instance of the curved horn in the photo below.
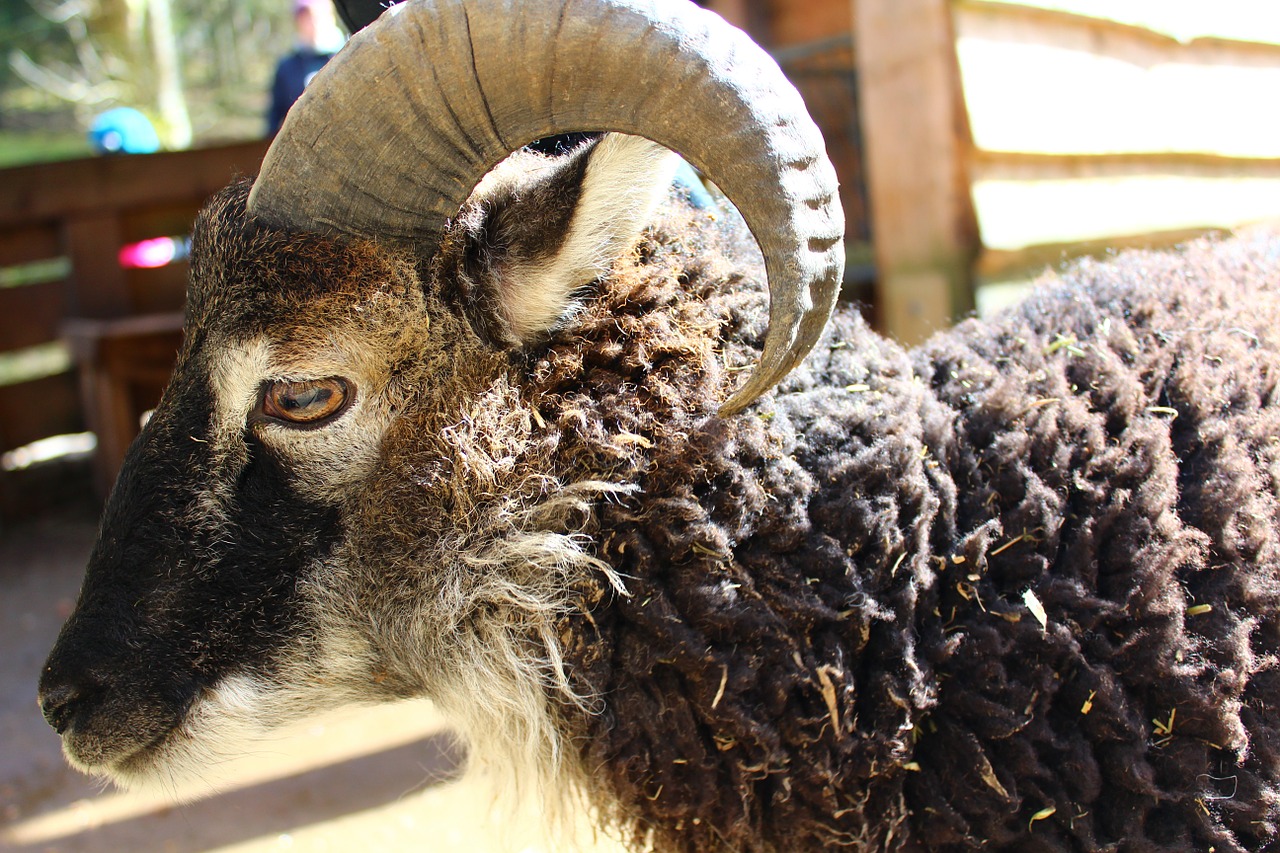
(395, 132)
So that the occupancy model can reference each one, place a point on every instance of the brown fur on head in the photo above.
(405, 541)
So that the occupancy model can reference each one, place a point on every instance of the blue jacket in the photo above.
(293, 73)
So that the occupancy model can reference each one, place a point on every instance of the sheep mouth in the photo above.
(126, 739)
(185, 753)
(124, 760)
(138, 765)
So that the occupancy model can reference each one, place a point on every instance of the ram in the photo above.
(479, 440)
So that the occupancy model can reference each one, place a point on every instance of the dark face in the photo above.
(186, 589)
(196, 624)
(345, 494)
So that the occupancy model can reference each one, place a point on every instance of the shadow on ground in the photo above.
(269, 810)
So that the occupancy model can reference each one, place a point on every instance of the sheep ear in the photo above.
(538, 229)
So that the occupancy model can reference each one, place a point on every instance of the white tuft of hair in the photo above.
(626, 178)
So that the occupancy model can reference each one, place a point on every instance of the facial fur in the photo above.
(486, 560)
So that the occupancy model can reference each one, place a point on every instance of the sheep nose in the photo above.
(58, 703)
(65, 692)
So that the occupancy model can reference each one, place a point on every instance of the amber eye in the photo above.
(307, 402)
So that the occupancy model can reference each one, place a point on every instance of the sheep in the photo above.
(1015, 589)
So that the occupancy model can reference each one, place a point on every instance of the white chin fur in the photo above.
(228, 720)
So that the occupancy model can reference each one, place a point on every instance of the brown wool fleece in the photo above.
(833, 629)
(1016, 589)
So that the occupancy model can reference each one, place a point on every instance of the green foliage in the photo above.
(227, 51)
(17, 148)
(22, 26)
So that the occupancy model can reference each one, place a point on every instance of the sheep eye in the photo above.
(307, 402)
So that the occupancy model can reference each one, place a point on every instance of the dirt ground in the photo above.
(383, 779)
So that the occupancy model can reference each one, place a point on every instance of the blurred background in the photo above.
(198, 69)
(978, 143)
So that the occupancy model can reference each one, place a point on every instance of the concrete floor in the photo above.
(377, 780)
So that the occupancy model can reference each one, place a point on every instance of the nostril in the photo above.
(58, 703)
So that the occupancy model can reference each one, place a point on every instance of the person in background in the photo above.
(318, 38)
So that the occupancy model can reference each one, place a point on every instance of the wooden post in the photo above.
(916, 142)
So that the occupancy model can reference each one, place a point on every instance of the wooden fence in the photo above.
(62, 283)
(1004, 136)
(1101, 131)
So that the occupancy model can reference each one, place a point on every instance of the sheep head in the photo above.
(334, 502)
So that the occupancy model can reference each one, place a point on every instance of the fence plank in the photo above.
(1088, 86)
(38, 409)
(24, 244)
(56, 190)
(1016, 214)
(30, 315)
(1249, 21)
(916, 142)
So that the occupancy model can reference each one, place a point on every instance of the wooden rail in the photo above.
(62, 226)
(1143, 127)
(1004, 134)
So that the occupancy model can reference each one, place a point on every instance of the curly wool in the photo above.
(1014, 590)
(1122, 430)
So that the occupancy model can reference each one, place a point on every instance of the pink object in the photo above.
(148, 254)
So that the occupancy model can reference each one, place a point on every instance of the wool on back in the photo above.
(1014, 590)
(1115, 449)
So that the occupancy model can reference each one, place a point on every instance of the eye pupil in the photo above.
(304, 402)
(309, 398)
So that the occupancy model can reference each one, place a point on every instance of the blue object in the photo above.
(123, 130)
(687, 179)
